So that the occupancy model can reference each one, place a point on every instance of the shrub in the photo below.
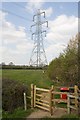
(12, 94)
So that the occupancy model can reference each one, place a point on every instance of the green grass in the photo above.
(64, 117)
(28, 77)
(18, 113)
(61, 105)
(68, 117)
(71, 116)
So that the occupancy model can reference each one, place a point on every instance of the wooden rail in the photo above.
(55, 92)
(41, 89)
(43, 104)
(59, 100)
(43, 101)
(42, 107)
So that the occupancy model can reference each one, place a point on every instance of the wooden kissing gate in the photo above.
(44, 98)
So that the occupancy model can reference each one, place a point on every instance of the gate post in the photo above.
(68, 104)
(25, 102)
(51, 97)
(76, 95)
(32, 96)
(79, 101)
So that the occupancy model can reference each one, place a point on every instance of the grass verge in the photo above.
(18, 113)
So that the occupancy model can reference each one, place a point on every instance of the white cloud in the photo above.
(16, 43)
(32, 5)
(62, 28)
(48, 11)
(54, 50)
(24, 47)
(60, 32)
(12, 35)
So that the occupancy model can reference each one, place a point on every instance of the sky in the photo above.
(16, 18)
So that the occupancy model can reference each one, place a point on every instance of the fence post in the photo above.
(25, 102)
(76, 95)
(52, 87)
(79, 101)
(32, 96)
(51, 97)
(68, 104)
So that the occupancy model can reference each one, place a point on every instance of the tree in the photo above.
(3, 63)
(65, 67)
(11, 64)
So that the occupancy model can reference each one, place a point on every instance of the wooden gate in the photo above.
(42, 98)
(45, 99)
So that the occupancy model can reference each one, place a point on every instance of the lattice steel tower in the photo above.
(38, 56)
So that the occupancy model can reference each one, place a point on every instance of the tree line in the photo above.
(12, 66)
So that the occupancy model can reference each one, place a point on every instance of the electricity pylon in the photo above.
(38, 56)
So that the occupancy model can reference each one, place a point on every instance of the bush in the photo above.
(12, 94)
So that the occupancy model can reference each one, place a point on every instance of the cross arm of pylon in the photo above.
(44, 22)
(39, 14)
(43, 13)
(44, 32)
(33, 34)
(33, 25)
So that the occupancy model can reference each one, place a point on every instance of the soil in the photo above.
(57, 113)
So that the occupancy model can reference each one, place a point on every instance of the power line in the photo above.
(18, 5)
(16, 15)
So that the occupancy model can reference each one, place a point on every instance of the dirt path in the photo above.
(58, 112)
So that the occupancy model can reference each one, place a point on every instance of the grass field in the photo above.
(28, 77)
